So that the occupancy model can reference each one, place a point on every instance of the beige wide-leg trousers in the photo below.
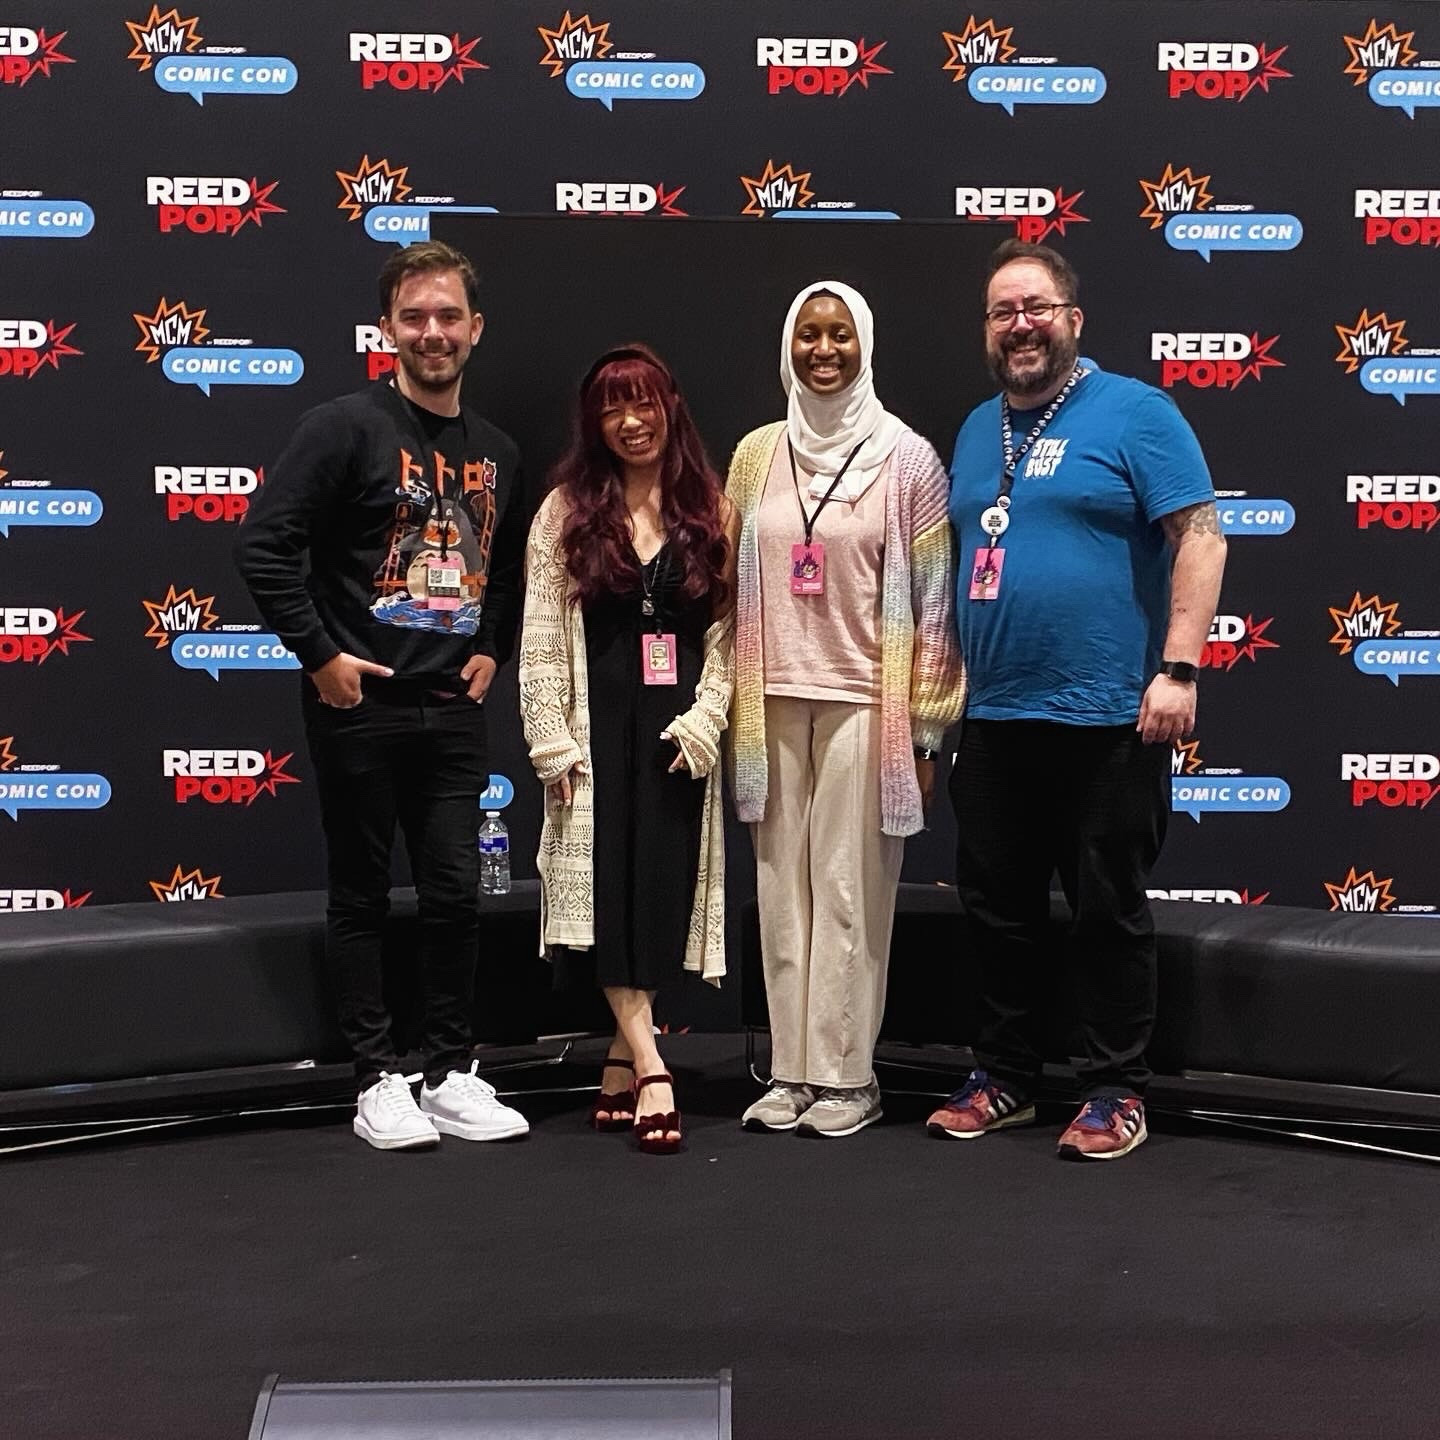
(826, 882)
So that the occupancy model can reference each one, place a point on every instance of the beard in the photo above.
(427, 371)
(1055, 350)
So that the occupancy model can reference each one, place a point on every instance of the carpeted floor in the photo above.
(878, 1287)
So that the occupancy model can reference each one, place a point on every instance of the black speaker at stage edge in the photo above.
(691, 1408)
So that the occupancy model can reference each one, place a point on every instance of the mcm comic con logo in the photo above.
(1198, 789)
(1369, 630)
(1384, 60)
(580, 50)
(175, 336)
(29, 785)
(984, 57)
(1180, 200)
(783, 192)
(29, 502)
(379, 194)
(187, 618)
(170, 47)
(1378, 349)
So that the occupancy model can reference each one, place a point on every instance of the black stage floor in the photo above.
(886, 1285)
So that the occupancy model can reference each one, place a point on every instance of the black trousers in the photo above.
(1091, 802)
(420, 761)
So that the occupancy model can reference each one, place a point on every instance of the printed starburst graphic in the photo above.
(867, 65)
(1254, 640)
(175, 324)
(375, 182)
(48, 55)
(1176, 192)
(1368, 619)
(56, 345)
(1064, 214)
(8, 757)
(1370, 336)
(187, 885)
(159, 35)
(67, 633)
(1267, 68)
(1381, 47)
(981, 42)
(275, 774)
(1260, 358)
(1361, 892)
(3, 472)
(574, 39)
(779, 188)
(463, 61)
(180, 612)
(261, 203)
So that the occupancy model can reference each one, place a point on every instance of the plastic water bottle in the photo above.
(494, 855)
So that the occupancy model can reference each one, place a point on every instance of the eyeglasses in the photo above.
(1037, 312)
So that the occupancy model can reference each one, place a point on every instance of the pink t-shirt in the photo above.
(822, 647)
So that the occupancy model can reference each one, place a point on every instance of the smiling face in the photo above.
(825, 349)
(634, 429)
(1030, 357)
(432, 328)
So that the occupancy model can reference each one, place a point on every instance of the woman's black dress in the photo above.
(647, 821)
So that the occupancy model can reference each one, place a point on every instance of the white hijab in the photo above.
(824, 429)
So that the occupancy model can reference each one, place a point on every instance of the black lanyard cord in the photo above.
(809, 520)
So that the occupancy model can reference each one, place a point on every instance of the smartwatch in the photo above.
(1181, 670)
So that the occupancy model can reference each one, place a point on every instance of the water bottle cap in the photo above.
(492, 814)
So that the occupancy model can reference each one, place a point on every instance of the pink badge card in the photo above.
(657, 659)
(807, 568)
(985, 576)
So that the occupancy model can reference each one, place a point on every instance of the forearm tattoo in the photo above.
(1199, 519)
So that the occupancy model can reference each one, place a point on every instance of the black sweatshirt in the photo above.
(355, 492)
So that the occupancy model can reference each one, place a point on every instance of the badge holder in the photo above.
(444, 584)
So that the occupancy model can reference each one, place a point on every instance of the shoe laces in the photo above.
(1098, 1112)
(470, 1086)
(393, 1092)
(834, 1095)
(978, 1083)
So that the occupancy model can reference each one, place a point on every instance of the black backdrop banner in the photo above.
(194, 203)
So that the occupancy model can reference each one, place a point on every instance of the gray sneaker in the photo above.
(779, 1108)
(842, 1112)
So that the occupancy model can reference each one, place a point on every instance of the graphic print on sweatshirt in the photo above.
(437, 559)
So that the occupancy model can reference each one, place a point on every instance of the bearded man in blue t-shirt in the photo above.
(1090, 566)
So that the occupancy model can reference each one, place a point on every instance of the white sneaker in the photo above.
(466, 1106)
(388, 1117)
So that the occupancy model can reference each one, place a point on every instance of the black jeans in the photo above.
(420, 760)
(1091, 802)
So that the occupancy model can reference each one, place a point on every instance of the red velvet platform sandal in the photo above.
(644, 1124)
(613, 1100)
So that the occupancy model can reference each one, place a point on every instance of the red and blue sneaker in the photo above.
(1106, 1128)
(980, 1104)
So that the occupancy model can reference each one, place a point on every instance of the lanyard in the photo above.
(661, 561)
(995, 519)
(809, 520)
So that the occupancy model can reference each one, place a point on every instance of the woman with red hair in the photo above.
(626, 668)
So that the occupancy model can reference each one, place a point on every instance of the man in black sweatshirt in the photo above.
(407, 507)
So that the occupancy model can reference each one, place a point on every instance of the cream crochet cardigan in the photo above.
(555, 708)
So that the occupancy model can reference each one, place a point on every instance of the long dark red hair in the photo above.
(596, 539)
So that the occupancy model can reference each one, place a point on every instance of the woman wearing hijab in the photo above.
(846, 677)
(626, 664)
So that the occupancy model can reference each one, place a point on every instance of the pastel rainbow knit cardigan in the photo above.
(922, 683)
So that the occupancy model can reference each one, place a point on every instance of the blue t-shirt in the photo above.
(1077, 630)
